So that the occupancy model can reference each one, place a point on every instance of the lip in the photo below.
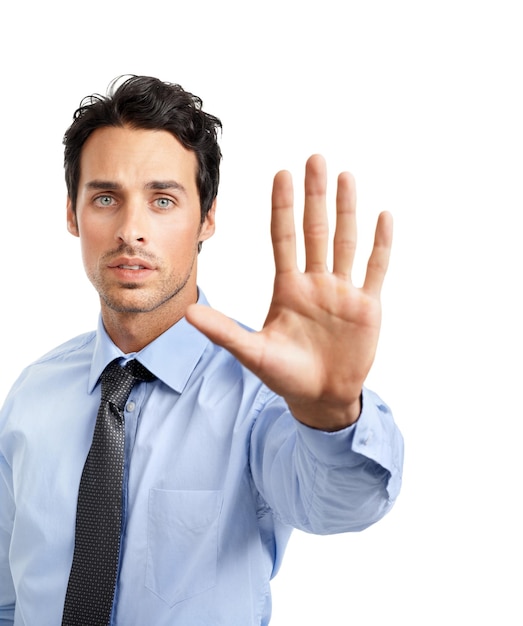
(130, 268)
(126, 263)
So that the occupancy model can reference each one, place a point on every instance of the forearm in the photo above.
(325, 482)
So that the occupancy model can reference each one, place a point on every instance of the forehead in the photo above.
(124, 154)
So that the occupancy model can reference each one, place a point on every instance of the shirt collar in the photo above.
(171, 357)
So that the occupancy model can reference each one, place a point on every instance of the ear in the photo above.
(72, 223)
(208, 225)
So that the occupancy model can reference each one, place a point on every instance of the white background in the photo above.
(422, 102)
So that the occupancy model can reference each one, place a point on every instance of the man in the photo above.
(230, 438)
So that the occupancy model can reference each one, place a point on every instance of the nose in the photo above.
(132, 225)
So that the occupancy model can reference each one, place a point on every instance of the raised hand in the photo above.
(320, 336)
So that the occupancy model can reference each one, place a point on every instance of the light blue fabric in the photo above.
(217, 474)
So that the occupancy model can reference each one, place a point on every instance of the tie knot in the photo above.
(117, 381)
(139, 371)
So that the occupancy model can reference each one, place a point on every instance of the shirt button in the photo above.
(130, 406)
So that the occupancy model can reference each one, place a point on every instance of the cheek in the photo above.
(92, 244)
(177, 240)
(88, 257)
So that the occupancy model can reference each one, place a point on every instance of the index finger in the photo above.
(283, 231)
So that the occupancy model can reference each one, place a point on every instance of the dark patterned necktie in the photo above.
(92, 581)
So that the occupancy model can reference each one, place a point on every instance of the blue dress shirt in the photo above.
(218, 472)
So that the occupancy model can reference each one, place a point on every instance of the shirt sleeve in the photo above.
(322, 482)
(7, 593)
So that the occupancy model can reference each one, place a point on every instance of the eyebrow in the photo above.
(102, 184)
(155, 185)
(160, 185)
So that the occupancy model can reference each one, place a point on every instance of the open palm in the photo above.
(320, 336)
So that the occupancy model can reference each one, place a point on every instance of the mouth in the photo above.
(132, 264)
(131, 269)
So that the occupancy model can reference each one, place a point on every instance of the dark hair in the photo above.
(147, 103)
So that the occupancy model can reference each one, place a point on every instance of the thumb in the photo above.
(223, 331)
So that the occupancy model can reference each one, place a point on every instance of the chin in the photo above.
(129, 305)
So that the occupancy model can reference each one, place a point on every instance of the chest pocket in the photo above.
(182, 543)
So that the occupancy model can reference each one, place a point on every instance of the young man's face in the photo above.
(139, 221)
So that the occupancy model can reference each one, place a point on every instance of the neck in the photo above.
(133, 331)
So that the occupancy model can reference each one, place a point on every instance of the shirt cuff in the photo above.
(373, 436)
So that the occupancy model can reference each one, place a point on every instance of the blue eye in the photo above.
(163, 203)
(105, 200)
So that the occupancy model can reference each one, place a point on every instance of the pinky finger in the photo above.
(379, 258)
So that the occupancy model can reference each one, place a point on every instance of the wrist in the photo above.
(328, 418)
